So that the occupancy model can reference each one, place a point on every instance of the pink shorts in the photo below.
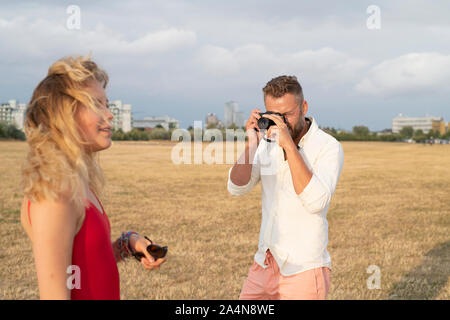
(270, 284)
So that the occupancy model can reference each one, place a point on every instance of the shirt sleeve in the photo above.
(236, 190)
(325, 175)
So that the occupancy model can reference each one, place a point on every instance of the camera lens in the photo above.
(263, 123)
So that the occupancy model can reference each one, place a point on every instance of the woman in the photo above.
(67, 123)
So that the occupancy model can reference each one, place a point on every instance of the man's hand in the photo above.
(139, 244)
(253, 133)
(282, 131)
(242, 169)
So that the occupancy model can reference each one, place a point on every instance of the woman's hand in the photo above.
(139, 244)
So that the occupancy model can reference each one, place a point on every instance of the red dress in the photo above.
(93, 253)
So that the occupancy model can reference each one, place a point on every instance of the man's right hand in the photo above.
(242, 169)
(253, 133)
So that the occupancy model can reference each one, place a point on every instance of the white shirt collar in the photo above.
(311, 131)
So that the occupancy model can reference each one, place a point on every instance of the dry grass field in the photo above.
(391, 209)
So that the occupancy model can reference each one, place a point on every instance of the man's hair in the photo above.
(279, 86)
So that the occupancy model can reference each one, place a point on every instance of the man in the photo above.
(299, 166)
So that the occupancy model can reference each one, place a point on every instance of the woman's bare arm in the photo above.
(53, 226)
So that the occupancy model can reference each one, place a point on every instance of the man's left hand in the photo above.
(282, 135)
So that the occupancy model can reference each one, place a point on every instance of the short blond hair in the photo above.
(58, 165)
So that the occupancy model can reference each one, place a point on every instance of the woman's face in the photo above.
(95, 129)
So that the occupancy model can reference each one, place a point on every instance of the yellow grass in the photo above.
(390, 209)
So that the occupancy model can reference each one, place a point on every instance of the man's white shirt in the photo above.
(294, 226)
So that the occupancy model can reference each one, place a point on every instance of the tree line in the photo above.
(358, 133)
(362, 133)
(10, 131)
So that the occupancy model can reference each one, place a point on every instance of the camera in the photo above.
(265, 123)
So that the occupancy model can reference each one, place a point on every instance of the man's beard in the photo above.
(297, 130)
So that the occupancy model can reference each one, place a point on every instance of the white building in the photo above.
(122, 115)
(211, 118)
(230, 108)
(239, 119)
(233, 115)
(423, 123)
(13, 113)
(151, 122)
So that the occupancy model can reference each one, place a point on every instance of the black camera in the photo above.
(265, 123)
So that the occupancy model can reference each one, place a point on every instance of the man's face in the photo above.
(293, 113)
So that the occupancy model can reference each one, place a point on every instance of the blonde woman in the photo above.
(67, 124)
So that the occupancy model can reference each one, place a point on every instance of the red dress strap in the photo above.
(29, 218)
(103, 210)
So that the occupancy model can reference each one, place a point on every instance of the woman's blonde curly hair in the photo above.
(58, 165)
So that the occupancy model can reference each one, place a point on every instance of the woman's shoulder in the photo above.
(48, 212)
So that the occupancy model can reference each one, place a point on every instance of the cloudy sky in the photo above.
(187, 58)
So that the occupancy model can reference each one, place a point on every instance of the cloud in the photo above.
(157, 42)
(410, 73)
(217, 61)
(325, 66)
(20, 34)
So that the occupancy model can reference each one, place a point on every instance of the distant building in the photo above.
(211, 118)
(419, 123)
(239, 119)
(384, 132)
(439, 126)
(149, 123)
(122, 115)
(13, 113)
(233, 115)
(230, 108)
